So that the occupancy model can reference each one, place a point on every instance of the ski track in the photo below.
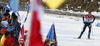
(67, 28)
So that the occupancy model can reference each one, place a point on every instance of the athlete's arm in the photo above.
(93, 19)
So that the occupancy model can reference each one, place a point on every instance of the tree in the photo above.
(80, 5)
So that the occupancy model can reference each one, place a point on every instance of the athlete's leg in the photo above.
(83, 30)
(89, 31)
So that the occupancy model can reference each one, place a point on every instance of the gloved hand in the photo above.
(91, 22)
(84, 22)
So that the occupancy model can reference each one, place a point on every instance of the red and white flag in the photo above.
(35, 38)
(22, 31)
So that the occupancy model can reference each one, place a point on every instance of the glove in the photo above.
(91, 22)
(84, 22)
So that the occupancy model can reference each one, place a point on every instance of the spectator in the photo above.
(2, 11)
(17, 27)
(7, 13)
(2, 38)
(1, 33)
(0, 18)
(52, 44)
(46, 42)
(13, 16)
(8, 41)
(4, 22)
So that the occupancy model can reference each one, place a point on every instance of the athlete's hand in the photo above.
(83, 22)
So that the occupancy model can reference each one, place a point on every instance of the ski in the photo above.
(87, 38)
(91, 39)
(77, 38)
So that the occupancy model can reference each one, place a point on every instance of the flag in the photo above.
(22, 37)
(53, 4)
(35, 38)
(7, 7)
(17, 14)
(52, 34)
(22, 31)
(98, 24)
(28, 9)
(14, 4)
(9, 2)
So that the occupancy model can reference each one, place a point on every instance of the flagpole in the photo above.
(28, 8)
(28, 37)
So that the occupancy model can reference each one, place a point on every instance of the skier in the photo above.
(87, 20)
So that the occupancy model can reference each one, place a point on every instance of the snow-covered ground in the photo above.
(67, 28)
(94, 13)
(78, 12)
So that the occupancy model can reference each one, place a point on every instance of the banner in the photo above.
(52, 34)
(35, 38)
(14, 4)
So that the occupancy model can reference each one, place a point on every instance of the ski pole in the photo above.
(92, 31)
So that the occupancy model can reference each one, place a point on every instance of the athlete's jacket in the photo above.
(89, 18)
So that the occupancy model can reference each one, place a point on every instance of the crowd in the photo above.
(9, 28)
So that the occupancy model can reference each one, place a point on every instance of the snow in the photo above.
(94, 13)
(67, 28)
(79, 7)
(78, 12)
(27, 23)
